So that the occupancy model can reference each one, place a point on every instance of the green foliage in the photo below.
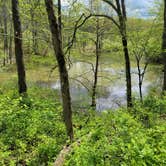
(37, 61)
(119, 138)
(150, 112)
(31, 130)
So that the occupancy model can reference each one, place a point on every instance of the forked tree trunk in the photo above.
(57, 44)
(119, 7)
(164, 47)
(18, 47)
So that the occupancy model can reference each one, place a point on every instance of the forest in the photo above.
(82, 83)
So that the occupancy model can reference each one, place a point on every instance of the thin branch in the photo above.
(77, 80)
(51, 71)
(109, 17)
(76, 27)
(144, 71)
(111, 4)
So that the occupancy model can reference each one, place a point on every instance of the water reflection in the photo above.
(111, 92)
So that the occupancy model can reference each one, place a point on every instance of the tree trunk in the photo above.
(121, 11)
(164, 47)
(18, 48)
(96, 65)
(128, 71)
(57, 44)
(10, 43)
(140, 78)
(60, 18)
(5, 32)
(34, 33)
(35, 41)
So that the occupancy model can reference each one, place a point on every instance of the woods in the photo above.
(84, 78)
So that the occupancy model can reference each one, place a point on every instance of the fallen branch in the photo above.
(66, 150)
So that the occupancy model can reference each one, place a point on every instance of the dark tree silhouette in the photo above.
(120, 9)
(164, 47)
(59, 54)
(18, 48)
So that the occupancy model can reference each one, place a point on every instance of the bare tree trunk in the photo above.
(64, 80)
(140, 80)
(60, 18)
(35, 41)
(10, 42)
(18, 48)
(97, 43)
(34, 33)
(5, 33)
(121, 11)
(141, 74)
(164, 47)
(34, 25)
(164, 86)
(128, 71)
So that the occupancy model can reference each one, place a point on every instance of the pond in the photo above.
(111, 91)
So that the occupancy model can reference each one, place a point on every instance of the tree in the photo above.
(120, 9)
(139, 50)
(5, 20)
(34, 24)
(59, 54)
(97, 52)
(18, 48)
(10, 42)
(164, 47)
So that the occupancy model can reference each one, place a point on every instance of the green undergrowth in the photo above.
(121, 138)
(37, 61)
(32, 132)
(31, 129)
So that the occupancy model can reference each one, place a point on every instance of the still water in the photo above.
(111, 91)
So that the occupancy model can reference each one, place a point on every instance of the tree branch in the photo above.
(76, 27)
(106, 16)
(111, 4)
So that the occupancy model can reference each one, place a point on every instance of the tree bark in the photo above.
(34, 33)
(164, 47)
(140, 77)
(18, 48)
(121, 11)
(128, 71)
(97, 43)
(60, 17)
(34, 25)
(64, 80)
(5, 32)
(10, 42)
